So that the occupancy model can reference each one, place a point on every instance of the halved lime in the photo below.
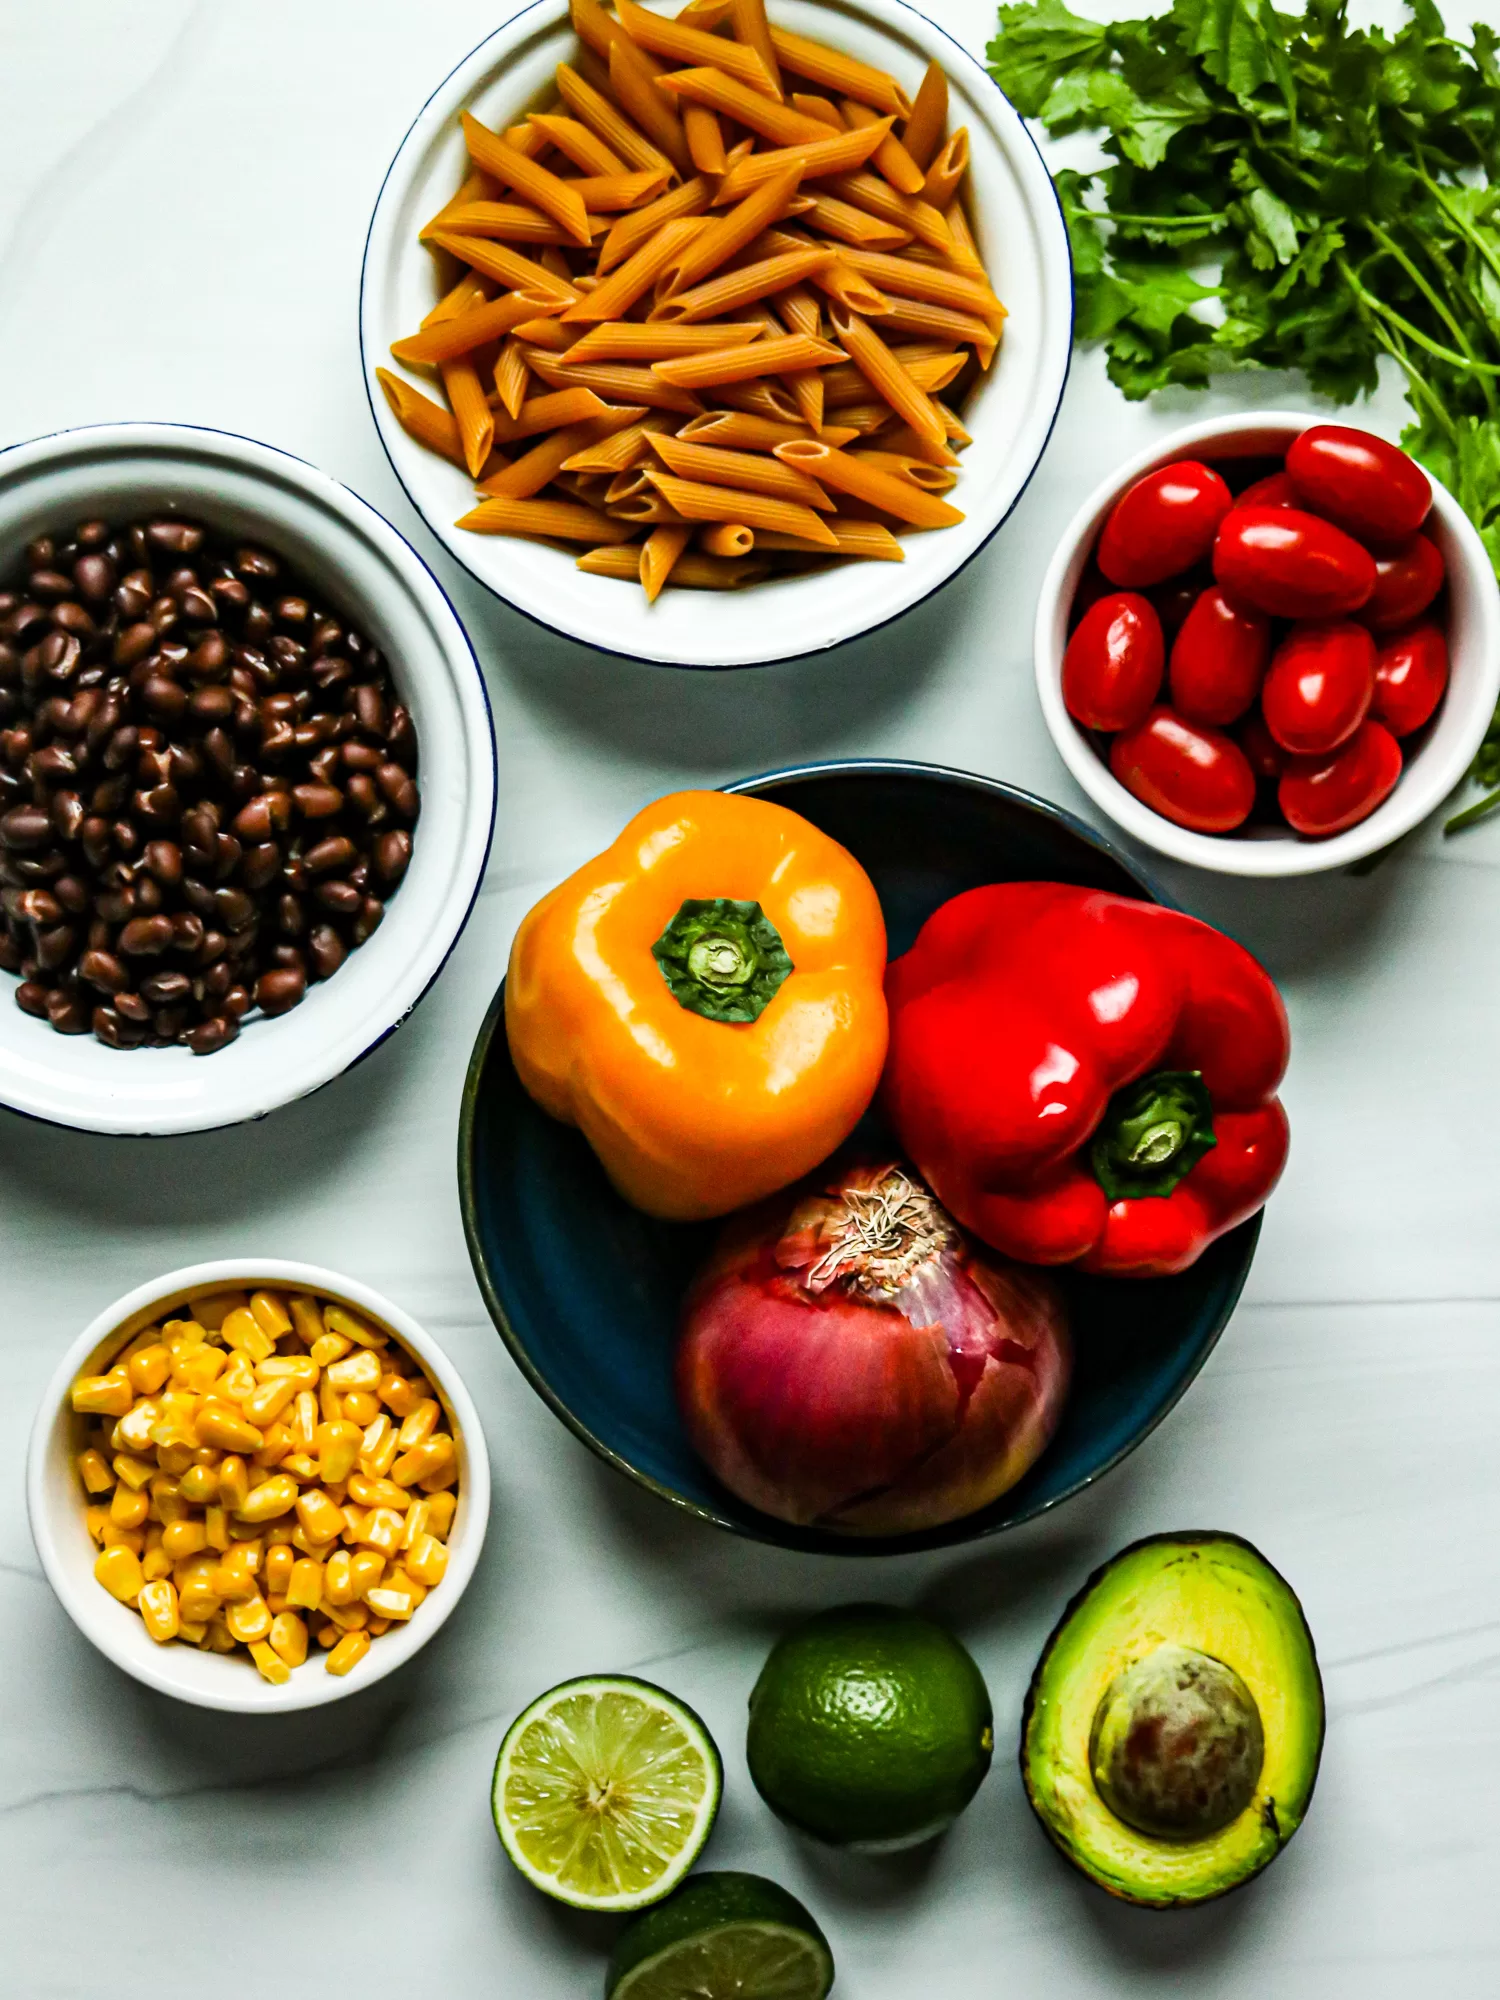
(722, 1937)
(605, 1791)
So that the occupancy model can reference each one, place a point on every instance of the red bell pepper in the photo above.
(1084, 1079)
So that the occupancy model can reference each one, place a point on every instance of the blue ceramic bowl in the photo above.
(585, 1291)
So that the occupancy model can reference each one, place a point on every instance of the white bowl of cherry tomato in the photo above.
(1269, 646)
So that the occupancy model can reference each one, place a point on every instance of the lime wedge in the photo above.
(605, 1792)
(722, 1937)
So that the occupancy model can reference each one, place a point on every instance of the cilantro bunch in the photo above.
(1288, 192)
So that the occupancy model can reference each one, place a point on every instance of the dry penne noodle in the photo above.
(509, 166)
(846, 473)
(743, 287)
(719, 255)
(556, 520)
(749, 472)
(686, 44)
(923, 132)
(726, 538)
(448, 338)
(841, 153)
(838, 72)
(867, 539)
(696, 500)
(659, 340)
(890, 156)
(659, 552)
(780, 355)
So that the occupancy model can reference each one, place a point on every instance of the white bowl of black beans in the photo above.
(247, 778)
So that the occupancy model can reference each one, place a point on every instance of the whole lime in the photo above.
(870, 1728)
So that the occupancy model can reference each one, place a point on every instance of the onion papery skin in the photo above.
(882, 1401)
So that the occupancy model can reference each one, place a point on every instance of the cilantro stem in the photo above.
(1460, 221)
(1393, 249)
(1420, 386)
(1168, 221)
(1433, 347)
(1471, 815)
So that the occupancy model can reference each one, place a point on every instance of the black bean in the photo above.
(31, 998)
(104, 970)
(146, 937)
(25, 827)
(325, 951)
(211, 1034)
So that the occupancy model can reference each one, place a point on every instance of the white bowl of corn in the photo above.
(257, 1485)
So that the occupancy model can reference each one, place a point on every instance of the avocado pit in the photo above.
(1177, 1745)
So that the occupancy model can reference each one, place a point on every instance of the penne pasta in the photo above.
(511, 376)
(910, 445)
(869, 540)
(510, 221)
(862, 418)
(752, 28)
(732, 289)
(705, 139)
(964, 252)
(476, 187)
(856, 226)
(813, 105)
(449, 338)
(744, 470)
(616, 382)
(884, 372)
(471, 290)
(686, 44)
(932, 282)
(625, 340)
(924, 130)
(726, 235)
(845, 472)
(625, 449)
(421, 418)
(550, 334)
(631, 231)
(737, 431)
(906, 211)
(506, 266)
(539, 466)
(646, 509)
(696, 500)
(931, 478)
(746, 106)
(690, 572)
(545, 413)
(726, 538)
(471, 411)
(613, 297)
(553, 520)
(762, 399)
(659, 552)
(593, 109)
(890, 156)
(945, 175)
(839, 73)
(634, 88)
(576, 142)
(780, 355)
(511, 167)
(942, 323)
(839, 153)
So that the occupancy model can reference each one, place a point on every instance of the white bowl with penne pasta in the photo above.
(663, 303)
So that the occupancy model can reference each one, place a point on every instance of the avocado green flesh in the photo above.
(1214, 1594)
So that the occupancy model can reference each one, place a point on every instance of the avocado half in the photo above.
(1136, 1669)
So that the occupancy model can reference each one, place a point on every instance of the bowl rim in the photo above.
(456, 551)
(302, 1690)
(253, 455)
(765, 1527)
(1283, 856)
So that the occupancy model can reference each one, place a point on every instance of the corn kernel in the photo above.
(338, 1579)
(242, 1331)
(356, 1371)
(279, 1565)
(378, 1625)
(149, 1368)
(249, 1619)
(338, 1450)
(199, 1484)
(347, 1617)
(416, 1523)
(330, 1402)
(270, 1500)
(398, 1394)
(272, 1667)
(184, 1538)
(159, 1611)
(119, 1570)
(220, 1425)
(212, 1312)
(320, 1519)
(128, 1509)
(382, 1530)
(348, 1653)
(269, 1400)
(167, 1503)
(277, 1446)
(419, 1424)
(390, 1603)
(303, 1423)
(133, 1432)
(198, 1604)
(377, 1447)
(216, 1527)
(298, 1369)
(132, 1471)
(361, 1408)
(155, 1564)
(329, 1347)
(194, 1630)
(94, 1470)
(289, 1638)
(103, 1395)
(237, 1384)
(235, 1586)
(379, 1493)
(176, 1458)
(219, 1638)
(306, 1585)
(366, 1568)
(300, 1466)
(116, 1537)
(428, 1561)
(439, 1481)
(270, 1313)
(96, 1520)
(306, 1318)
(432, 1455)
(198, 1368)
(180, 1336)
(402, 1579)
(339, 1319)
(234, 1481)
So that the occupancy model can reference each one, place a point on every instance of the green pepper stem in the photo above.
(1153, 1134)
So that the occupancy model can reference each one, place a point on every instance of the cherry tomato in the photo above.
(1166, 522)
(1319, 686)
(1092, 585)
(1291, 564)
(1406, 581)
(1275, 491)
(1323, 795)
(1175, 598)
(1361, 482)
(1112, 669)
(1411, 671)
(1218, 659)
(1198, 777)
(1267, 758)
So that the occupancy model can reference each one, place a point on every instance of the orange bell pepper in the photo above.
(704, 1002)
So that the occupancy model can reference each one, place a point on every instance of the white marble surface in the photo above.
(183, 195)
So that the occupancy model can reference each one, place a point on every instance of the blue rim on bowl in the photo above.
(584, 1290)
(809, 614)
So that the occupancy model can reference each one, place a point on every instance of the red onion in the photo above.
(852, 1359)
